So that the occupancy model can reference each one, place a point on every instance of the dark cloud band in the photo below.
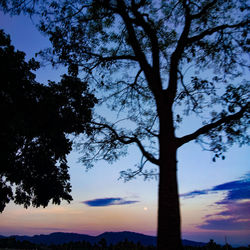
(236, 206)
(229, 224)
(103, 202)
(235, 216)
(237, 190)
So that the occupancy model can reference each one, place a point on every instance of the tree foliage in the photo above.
(36, 120)
(131, 51)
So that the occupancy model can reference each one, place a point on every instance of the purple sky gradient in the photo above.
(218, 207)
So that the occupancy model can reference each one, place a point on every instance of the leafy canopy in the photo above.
(146, 57)
(36, 120)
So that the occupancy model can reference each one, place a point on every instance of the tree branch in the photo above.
(176, 56)
(204, 10)
(206, 128)
(194, 101)
(129, 140)
(112, 58)
(213, 30)
(133, 39)
(151, 33)
(136, 77)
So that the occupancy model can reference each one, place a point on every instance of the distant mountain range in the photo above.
(111, 237)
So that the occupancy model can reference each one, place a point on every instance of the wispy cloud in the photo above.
(234, 216)
(235, 206)
(195, 193)
(236, 190)
(103, 202)
(226, 224)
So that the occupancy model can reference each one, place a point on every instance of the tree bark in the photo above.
(169, 223)
(169, 227)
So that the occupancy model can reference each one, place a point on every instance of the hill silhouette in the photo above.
(111, 238)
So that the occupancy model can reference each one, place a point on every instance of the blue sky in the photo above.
(214, 196)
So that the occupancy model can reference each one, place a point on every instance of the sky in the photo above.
(214, 196)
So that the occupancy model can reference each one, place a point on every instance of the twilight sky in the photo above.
(215, 197)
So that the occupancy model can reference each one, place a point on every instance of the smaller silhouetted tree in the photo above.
(211, 245)
(35, 122)
(103, 243)
(227, 247)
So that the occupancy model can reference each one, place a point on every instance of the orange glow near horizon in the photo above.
(78, 218)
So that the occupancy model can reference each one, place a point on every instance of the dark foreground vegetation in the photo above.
(12, 243)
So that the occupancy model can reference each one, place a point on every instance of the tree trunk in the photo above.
(169, 228)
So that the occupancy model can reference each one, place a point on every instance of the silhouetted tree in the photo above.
(227, 247)
(35, 122)
(155, 63)
(212, 245)
(103, 243)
